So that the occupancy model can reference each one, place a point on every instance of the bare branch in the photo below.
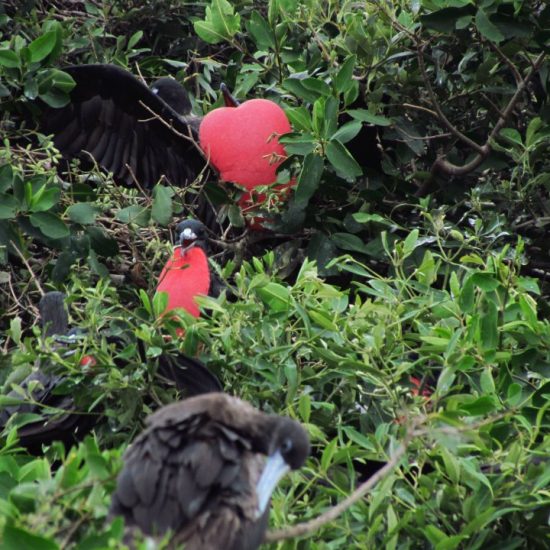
(31, 272)
(507, 60)
(441, 165)
(420, 108)
(435, 103)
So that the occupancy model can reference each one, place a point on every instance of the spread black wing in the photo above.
(111, 116)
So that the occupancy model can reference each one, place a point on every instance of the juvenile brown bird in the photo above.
(199, 471)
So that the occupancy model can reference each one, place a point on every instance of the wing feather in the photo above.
(109, 107)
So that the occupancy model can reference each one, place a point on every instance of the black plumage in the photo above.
(53, 413)
(191, 233)
(198, 470)
(113, 117)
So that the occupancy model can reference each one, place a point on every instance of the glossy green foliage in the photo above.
(398, 299)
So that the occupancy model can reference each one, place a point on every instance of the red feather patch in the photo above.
(184, 277)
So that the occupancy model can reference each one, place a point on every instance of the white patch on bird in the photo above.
(188, 234)
(155, 90)
(275, 468)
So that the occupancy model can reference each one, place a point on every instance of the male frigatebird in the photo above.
(54, 413)
(141, 134)
(187, 273)
(198, 470)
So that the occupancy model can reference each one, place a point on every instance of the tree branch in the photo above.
(441, 165)
(446, 122)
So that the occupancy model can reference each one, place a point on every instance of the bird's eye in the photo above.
(286, 446)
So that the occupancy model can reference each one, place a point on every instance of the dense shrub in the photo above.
(403, 297)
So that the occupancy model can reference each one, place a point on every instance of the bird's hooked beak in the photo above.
(228, 98)
(275, 468)
(187, 240)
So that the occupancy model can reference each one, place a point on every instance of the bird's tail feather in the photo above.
(53, 316)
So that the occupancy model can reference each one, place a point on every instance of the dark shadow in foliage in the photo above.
(52, 413)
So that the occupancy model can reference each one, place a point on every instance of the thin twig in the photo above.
(507, 60)
(27, 265)
(308, 527)
(420, 108)
(441, 164)
(435, 103)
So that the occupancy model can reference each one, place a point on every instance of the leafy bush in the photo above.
(418, 317)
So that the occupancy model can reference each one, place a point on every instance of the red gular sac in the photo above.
(185, 276)
(88, 361)
(242, 143)
(418, 388)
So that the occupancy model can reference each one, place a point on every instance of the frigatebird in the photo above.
(187, 274)
(138, 133)
(198, 471)
(54, 415)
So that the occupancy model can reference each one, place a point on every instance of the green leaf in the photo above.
(6, 177)
(347, 132)
(486, 28)
(44, 199)
(514, 395)
(296, 87)
(486, 381)
(489, 326)
(309, 179)
(54, 98)
(304, 407)
(54, 78)
(9, 59)
(343, 80)
(160, 303)
(426, 272)
(162, 210)
(220, 23)
(19, 539)
(366, 116)
(276, 296)
(348, 241)
(235, 216)
(365, 217)
(42, 46)
(316, 85)
(260, 30)
(134, 214)
(410, 243)
(50, 225)
(8, 206)
(341, 159)
(83, 213)
(467, 296)
(134, 39)
(359, 439)
(482, 405)
(511, 135)
(486, 281)
(300, 118)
